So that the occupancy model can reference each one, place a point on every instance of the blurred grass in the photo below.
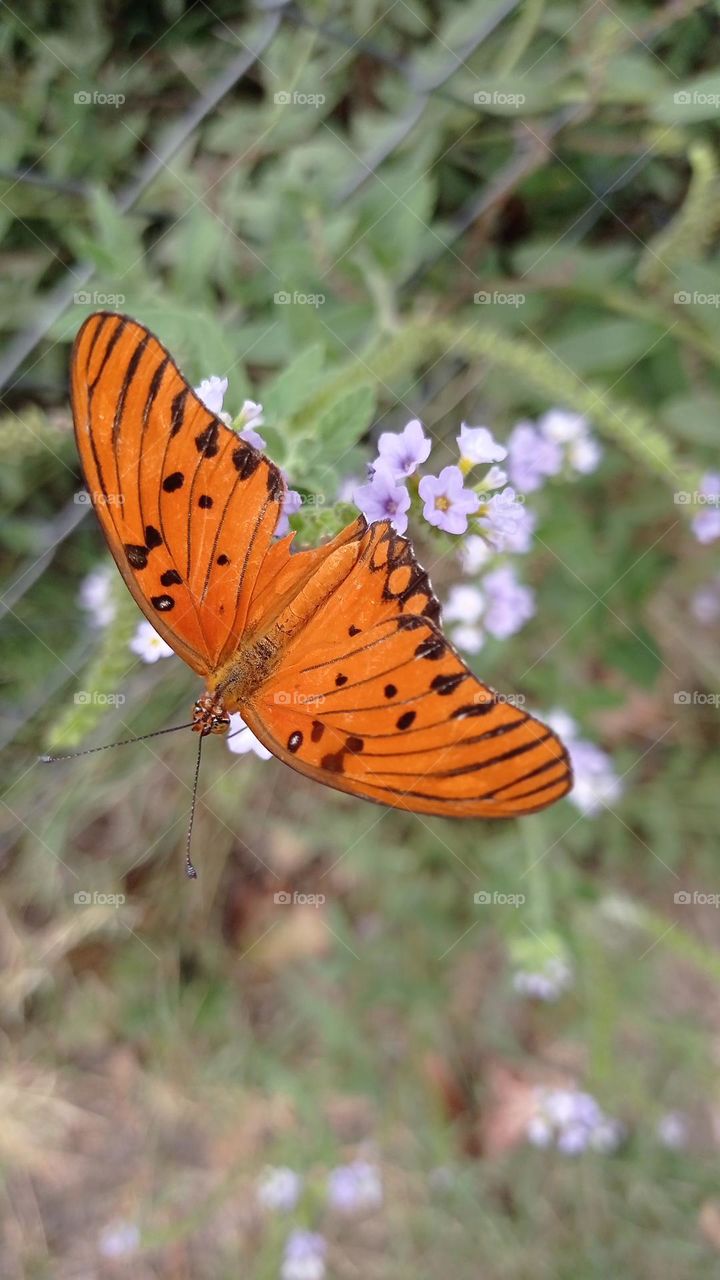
(155, 1056)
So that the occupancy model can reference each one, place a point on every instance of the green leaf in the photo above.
(636, 655)
(343, 423)
(292, 389)
(606, 344)
(686, 103)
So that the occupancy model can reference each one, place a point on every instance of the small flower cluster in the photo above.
(596, 784)
(541, 966)
(491, 512)
(548, 982)
(572, 1122)
(353, 1188)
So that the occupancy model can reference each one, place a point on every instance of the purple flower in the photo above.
(402, 452)
(474, 553)
(706, 525)
(506, 522)
(547, 983)
(254, 438)
(212, 393)
(304, 1256)
(509, 604)
(572, 432)
(563, 426)
(384, 499)
(251, 414)
(572, 1121)
(354, 1188)
(595, 781)
(464, 609)
(477, 446)
(279, 1189)
(532, 457)
(447, 502)
(291, 503)
(672, 1130)
(705, 604)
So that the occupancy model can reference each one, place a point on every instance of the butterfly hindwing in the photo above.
(372, 699)
(188, 508)
(396, 716)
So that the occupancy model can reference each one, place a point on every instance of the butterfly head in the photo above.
(209, 715)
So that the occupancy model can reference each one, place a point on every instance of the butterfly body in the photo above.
(334, 656)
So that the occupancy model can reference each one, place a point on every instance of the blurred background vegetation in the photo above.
(185, 163)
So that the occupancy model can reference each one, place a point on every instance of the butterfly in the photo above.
(334, 656)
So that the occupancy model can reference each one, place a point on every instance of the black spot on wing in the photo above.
(162, 603)
(432, 648)
(474, 709)
(177, 411)
(246, 460)
(206, 442)
(174, 481)
(137, 555)
(153, 538)
(448, 684)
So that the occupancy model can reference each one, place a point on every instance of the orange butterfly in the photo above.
(334, 657)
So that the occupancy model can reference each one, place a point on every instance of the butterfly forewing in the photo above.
(188, 508)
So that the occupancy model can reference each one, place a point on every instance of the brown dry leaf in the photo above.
(643, 714)
(293, 933)
(510, 1105)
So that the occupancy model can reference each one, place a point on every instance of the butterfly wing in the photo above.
(188, 509)
(370, 698)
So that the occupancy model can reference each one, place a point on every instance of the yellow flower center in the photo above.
(442, 503)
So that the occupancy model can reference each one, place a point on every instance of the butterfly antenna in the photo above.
(123, 743)
(189, 868)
